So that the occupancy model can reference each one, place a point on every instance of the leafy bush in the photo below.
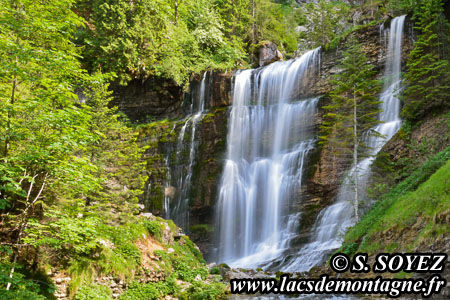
(148, 291)
(129, 252)
(201, 291)
(154, 228)
(93, 292)
(21, 288)
(184, 269)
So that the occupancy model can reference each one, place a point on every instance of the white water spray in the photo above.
(270, 134)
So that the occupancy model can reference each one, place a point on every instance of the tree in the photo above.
(428, 75)
(275, 22)
(325, 20)
(352, 114)
(56, 151)
(42, 123)
(137, 39)
(115, 155)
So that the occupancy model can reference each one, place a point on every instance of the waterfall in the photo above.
(333, 221)
(181, 171)
(269, 136)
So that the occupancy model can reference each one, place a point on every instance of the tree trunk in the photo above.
(355, 158)
(176, 11)
(8, 123)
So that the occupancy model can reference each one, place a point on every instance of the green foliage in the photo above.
(202, 229)
(142, 38)
(42, 125)
(69, 165)
(116, 254)
(185, 263)
(275, 22)
(191, 248)
(142, 291)
(21, 288)
(70, 235)
(174, 39)
(129, 252)
(428, 74)
(183, 269)
(155, 228)
(325, 20)
(201, 291)
(93, 292)
(137, 291)
(115, 155)
(403, 202)
(349, 248)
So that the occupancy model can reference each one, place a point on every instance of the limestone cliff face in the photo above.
(322, 176)
(168, 155)
(144, 101)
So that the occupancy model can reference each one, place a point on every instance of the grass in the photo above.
(414, 204)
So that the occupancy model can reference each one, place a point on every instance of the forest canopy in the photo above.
(176, 38)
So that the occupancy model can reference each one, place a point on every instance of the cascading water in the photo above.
(178, 210)
(270, 134)
(332, 222)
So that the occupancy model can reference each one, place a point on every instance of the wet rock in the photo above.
(235, 274)
(223, 269)
(211, 265)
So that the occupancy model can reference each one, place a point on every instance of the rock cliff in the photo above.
(324, 170)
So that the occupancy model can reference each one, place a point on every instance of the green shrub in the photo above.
(93, 292)
(349, 248)
(185, 269)
(148, 291)
(202, 291)
(21, 288)
(155, 229)
(130, 252)
(201, 229)
(137, 291)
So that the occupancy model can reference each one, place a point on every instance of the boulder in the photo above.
(268, 53)
(235, 274)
